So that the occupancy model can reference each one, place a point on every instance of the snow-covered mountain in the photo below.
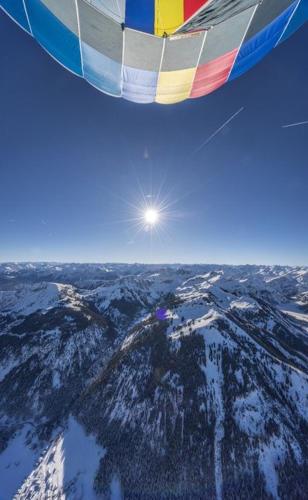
(151, 382)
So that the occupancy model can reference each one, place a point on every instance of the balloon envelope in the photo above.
(161, 51)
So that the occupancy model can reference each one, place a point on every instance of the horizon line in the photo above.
(135, 263)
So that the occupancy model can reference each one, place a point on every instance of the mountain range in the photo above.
(153, 382)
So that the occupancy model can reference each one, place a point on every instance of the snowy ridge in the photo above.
(67, 468)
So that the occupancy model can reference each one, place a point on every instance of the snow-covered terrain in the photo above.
(66, 469)
(135, 381)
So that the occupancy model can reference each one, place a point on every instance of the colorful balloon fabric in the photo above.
(162, 51)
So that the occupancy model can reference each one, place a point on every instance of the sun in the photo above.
(151, 216)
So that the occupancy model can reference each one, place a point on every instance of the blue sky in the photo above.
(74, 161)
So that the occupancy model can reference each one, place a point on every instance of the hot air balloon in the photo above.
(162, 51)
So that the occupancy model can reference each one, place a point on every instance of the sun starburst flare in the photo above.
(151, 211)
(151, 216)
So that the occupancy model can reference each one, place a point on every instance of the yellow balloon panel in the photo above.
(175, 86)
(169, 16)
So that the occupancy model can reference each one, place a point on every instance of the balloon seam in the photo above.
(198, 62)
(242, 42)
(79, 36)
(27, 16)
(288, 23)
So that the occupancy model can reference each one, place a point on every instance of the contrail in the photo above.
(295, 124)
(217, 131)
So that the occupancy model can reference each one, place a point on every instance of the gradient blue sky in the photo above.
(72, 160)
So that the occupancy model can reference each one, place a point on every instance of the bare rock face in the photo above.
(176, 382)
